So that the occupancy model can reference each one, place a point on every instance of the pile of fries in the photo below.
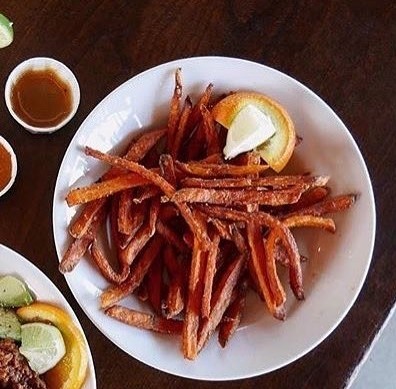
(192, 233)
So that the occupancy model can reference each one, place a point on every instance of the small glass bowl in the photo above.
(40, 63)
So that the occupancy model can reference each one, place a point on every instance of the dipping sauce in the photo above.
(5, 167)
(41, 98)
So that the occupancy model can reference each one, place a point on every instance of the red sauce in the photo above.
(41, 98)
(5, 167)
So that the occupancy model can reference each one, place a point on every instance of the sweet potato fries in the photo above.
(190, 233)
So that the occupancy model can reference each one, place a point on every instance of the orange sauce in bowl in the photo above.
(41, 98)
(5, 167)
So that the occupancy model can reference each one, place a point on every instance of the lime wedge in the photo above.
(42, 345)
(6, 32)
(14, 292)
(10, 327)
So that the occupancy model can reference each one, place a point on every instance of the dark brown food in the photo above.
(15, 372)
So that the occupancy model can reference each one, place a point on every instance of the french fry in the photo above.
(213, 170)
(328, 205)
(209, 276)
(308, 198)
(192, 316)
(232, 316)
(171, 237)
(212, 139)
(104, 188)
(124, 211)
(180, 134)
(196, 114)
(142, 236)
(258, 259)
(175, 298)
(144, 320)
(222, 228)
(274, 182)
(74, 253)
(221, 300)
(146, 193)
(115, 293)
(238, 197)
(144, 144)
(104, 266)
(174, 111)
(276, 287)
(78, 247)
(310, 221)
(154, 285)
(135, 221)
(81, 224)
(168, 169)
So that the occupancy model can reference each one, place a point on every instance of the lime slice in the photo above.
(6, 32)
(13, 292)
(10, 327)
(42, 345)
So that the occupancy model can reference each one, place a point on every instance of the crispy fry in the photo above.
(168, 169)
(274, 182)
(196, 114)
(310, 221)
(191, 317)
(221, 299)
(175, 298)
(328, 205)
(81, 224)
(104, 266)
(308, 198)
(222, 228)
(78, 247)
(209, 276)
(144, 144)
(154, 285)
(258, 259)
(216, 158)
(238, 197)
(142, 236)
(139, 269)
(145, 320)
(212, 139)
(275, 285)
(232, 316)
(146, 193)
(103, 189)
(171, 237)
(124, 211)
(74, 253)
(180, 134)
(213, 170)
(174, 111)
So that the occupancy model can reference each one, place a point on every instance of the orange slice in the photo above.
(70, 372)
(277, 150)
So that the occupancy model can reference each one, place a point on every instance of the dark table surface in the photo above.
(345, 51)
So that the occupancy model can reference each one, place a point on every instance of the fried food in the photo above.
(191, 234)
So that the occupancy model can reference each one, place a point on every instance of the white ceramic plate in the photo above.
(337, 264)
(44, 290)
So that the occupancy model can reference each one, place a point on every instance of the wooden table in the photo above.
(345, 51)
